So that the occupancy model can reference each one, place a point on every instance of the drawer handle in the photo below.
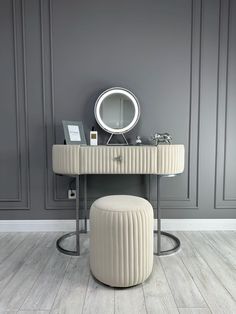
(118, 158)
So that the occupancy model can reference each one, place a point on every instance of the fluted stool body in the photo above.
(121, 240)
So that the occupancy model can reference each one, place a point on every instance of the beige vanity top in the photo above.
(76, 160)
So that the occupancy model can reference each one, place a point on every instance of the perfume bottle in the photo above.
(93, 137)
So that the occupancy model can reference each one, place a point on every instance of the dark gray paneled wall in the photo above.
(177, 56)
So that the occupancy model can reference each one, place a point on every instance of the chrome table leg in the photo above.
(76, 233)
(176, 247)
(85, 204)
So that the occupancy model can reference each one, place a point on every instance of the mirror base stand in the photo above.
(109, 140)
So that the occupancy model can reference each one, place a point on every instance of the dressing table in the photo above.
(76, 160)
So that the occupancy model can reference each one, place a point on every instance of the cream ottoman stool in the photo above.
(121, 240)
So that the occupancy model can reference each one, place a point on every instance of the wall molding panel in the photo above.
(52, 200)
(21, 114)
(191, 202)
(225, 37)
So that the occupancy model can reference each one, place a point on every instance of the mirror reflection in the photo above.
(117, 111)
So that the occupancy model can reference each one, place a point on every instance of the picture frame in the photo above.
(74, 132)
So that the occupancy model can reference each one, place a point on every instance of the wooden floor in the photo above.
(36, 278)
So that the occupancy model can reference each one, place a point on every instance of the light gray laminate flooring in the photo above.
(36, 278)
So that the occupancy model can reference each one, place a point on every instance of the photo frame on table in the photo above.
(74, 132)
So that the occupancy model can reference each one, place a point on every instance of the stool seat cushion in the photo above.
(121, 240)
(121, 203)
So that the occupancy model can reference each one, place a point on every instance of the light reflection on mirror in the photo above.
(117, 111)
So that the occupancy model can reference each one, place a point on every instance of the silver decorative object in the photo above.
(138, 140)
(158, 138)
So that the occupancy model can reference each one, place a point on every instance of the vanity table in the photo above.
(117, 111)
(75, 160)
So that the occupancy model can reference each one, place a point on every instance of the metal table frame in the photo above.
(158, 231)
(77, 232)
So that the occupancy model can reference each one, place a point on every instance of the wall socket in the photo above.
(72, 194)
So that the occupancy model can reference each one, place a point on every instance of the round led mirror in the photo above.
(117, 110)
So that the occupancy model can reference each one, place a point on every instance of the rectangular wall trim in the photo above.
(69, 225)
(52, 201)
(18, 53)
(223, 106)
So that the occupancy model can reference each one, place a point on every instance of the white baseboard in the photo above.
(197, 224)
(69, 225)
(36, 225)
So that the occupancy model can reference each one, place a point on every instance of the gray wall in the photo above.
(177, 56)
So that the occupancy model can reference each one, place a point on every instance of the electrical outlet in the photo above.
(72, 194)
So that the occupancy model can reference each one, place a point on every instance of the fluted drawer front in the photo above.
(170, 159)
(120, 160)
(100, 159)
(74, 159)
(121, 241)
(66, 159)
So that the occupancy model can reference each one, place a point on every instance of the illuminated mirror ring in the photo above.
(116, 91)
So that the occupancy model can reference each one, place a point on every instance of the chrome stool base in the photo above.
(169, 251)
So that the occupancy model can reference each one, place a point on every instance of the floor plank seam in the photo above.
(15, 248)
(20, 308)
(194, 249)
(214, 247)
(208, 306)
(178, 256)
(16, 272)
(70, 260)
(86, 292)
(214, 273)
(144, 297)
(30, 289)
(192, 276)
(167, 282)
